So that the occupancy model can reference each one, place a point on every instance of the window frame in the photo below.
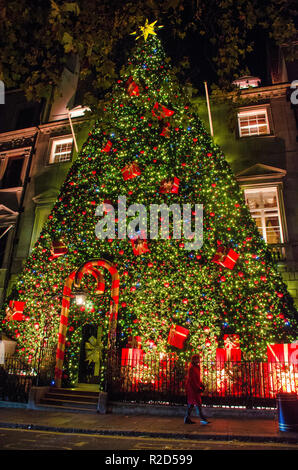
(54, 142)
(4, 158)
(254, 111)
(253, 188)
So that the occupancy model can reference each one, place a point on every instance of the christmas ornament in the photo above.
(131, 170)
(132, 87)
(131, 357)
(226, 257)
(58, 248)
(134, 342)
(139, 246)
(231, 341)
(146, 30)
(283, 353)
(107, 147)
(15, 310)
(228, 355)
(169, 185)
(159, 111)
(166, 130)
(177, 336)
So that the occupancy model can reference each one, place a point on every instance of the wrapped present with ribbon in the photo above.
(58, 248)
(228, 355)
(283, 353)
(231, 341)
(165, 132)
(177, 336)
(225, 257)
(169, 185)
(131, 357)
(139, 246)
(107, 147)
(160, 112)
(134, 342)
(15, 310)
(132, 88)
(130, 171)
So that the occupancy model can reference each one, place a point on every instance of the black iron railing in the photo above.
(154, 378)
(249, 384)
(17, 376)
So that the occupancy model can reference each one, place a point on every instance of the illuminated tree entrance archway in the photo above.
(74, 279)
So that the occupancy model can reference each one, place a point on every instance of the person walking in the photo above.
(194, 388)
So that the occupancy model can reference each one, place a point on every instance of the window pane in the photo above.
(269, 199)
(254, 201)
(272, 229)
(258, 221)
(3, 241)
(251, 123)
(13, 171)
(62, 150)
(264, 208)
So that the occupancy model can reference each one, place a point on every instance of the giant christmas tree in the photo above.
(151, 148)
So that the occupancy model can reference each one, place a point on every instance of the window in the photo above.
(264, 207)
(4, 232)
(253, 122)
(12, 171)
(61, 150)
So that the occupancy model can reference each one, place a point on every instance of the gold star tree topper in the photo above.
(146, 30)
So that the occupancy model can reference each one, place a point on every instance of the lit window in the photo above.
(61, 150)
(263, 204)
(254, 122)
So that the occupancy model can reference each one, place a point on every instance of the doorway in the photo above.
(89, 361)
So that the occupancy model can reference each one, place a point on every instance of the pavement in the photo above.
(241, 427)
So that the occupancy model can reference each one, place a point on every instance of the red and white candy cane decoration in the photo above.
(91, 267)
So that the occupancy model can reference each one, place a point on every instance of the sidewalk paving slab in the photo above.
(250, 429)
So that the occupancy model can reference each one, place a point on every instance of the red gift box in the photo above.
(225, 257)
(283, 353)
(231, 341)
(107, 147)
(139, 246)
(166, 130)
(228, 355)
(132, 87)
(134, 342)
(177, 336)
(131, 170)
(15, 310)
(131, 357)
(170, 185)
(161, 112)
(58, 248)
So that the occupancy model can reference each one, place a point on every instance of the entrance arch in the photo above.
(74, 279)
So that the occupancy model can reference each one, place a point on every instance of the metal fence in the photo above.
(249, 384)
(161, 379)
(17, 377)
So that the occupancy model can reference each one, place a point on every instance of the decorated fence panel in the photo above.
(161, 378)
